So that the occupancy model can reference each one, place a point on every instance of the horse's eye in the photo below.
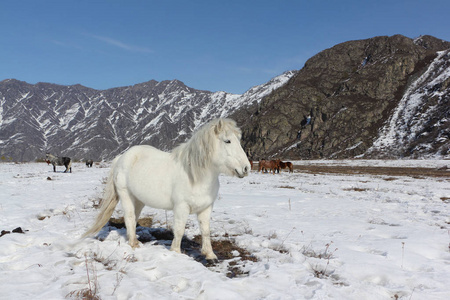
(227, 141)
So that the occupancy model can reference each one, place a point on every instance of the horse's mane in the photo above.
(195, 154)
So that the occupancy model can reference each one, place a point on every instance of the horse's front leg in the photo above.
(180, 216)
(204, 218)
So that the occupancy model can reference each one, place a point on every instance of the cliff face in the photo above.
(339, 103)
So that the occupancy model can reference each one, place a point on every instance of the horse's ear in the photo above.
(218, 127)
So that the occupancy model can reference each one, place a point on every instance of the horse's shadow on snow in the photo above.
(224, 249)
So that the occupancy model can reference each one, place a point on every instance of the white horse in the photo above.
(185, 181)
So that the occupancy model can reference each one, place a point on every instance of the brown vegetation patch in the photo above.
(390, 178)
(287, 187)
(384, 171)
(355, 189)
(445, 199)
(120, 222)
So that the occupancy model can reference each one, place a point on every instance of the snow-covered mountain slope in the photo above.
(420, 114)
(85, 123)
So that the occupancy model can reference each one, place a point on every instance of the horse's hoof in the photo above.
(135, 245)
(212, 261)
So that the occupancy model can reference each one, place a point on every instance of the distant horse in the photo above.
(59, 161)
(89, 163)
(185, 180)
(265, 165)
(284, 165)
(251, 163)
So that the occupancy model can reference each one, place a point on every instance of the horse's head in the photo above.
(229, 156)
(215, 146)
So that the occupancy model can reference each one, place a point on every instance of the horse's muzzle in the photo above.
(243, 173)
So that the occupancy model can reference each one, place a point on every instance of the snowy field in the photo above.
(314, 237)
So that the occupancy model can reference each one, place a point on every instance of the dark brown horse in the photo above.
(284, 165)
(89, 163)
(265, 165)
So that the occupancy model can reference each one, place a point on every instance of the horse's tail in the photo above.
(290, 166)
(109, 203)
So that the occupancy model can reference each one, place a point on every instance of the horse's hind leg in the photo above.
(138, 206)
(204, 218)
(129, 211)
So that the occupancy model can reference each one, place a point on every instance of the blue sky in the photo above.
(209, 45)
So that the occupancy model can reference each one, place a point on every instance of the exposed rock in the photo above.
(350, 91)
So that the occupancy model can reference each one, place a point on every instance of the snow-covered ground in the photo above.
(315, 237)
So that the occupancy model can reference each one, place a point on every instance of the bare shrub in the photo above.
(91, 292)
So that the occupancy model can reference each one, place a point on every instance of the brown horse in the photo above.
(265, 165)
(284, 165)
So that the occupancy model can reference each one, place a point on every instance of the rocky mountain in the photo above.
(373, 98)
(380, 97)
(83, 123)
